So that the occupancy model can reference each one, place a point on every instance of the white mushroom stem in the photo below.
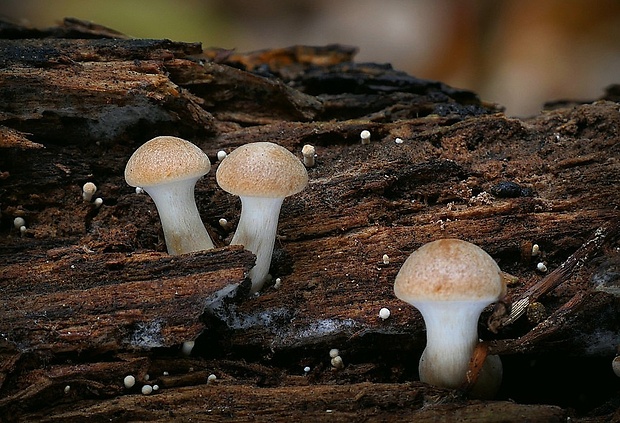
(180, 220)
(256, 231)
(451, 336)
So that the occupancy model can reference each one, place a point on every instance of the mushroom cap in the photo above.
(262, 169)
(449, 270)
(165, 159)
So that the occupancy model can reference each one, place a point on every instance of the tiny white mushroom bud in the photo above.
(365, 136)
(334, 352)
(308, 152)
(67, 389)
(212, 378)
(139, 190)
(221, 155)
(155, 387)
(535, 250)
(541, 267)
(187, 347)
(307, 369)
(147, 376)
(166, 374)
(337, 362)
(98, 202)
(223, 223)
(129, 381)
(88, 190)
(615, 365)
(386, 259)
(277, 284)
(398, 141)
(384, 313)
(147, 390)
(18, 222)
(22, 230)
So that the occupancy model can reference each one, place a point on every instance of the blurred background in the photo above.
(517, 53)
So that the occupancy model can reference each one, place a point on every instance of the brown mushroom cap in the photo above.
(449, 270)
(165, 159)
(262, 169)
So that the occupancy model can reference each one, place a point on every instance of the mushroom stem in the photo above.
(451, 336)
(183, 229)
(256, 231)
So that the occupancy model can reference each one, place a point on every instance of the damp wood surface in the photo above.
(89, 295)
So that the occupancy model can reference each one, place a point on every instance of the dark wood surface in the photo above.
(88, 295)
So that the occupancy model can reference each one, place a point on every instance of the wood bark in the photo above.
(89, 295)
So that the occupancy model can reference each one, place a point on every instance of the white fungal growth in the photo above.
(67, 389)
(334, 352)
(221, 155)
(309, 153)
(615, 365)
(98, 202)
(277, 284)
(535, 250)
(22, 230)
(212, 378)
(187, 347)
(398, 141)
(18, 222)
(541, 267)
(307, 369)
(88, 190)
(337, 362)
(386, 259)
(155, 387)
(139, 190)
(384, 313)
(129, 381)
(365, 136)
(147, 390)
(223, 223)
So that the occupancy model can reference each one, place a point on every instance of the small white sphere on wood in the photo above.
(129, 381)
(384, 313)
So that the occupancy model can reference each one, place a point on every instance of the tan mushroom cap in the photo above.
(449, 270)
(165, 159)
(262, 169)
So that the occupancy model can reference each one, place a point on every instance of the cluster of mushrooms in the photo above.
(449, 281)
(262, 174)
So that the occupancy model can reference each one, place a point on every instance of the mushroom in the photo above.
(308, 153)
(167, 168)
(450, 282)
(88, 190)
(262, 174)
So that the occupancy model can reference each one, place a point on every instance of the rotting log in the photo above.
(81, 281)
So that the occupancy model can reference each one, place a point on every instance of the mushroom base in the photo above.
(256, 231)
(451, 336)
(183, 229)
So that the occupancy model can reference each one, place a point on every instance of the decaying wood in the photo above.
(89, 296)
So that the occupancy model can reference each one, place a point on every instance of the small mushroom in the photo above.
(262, 174)
(167, 168)
(365, 136)
(88, 190)
(308, 153)
(450, 282)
